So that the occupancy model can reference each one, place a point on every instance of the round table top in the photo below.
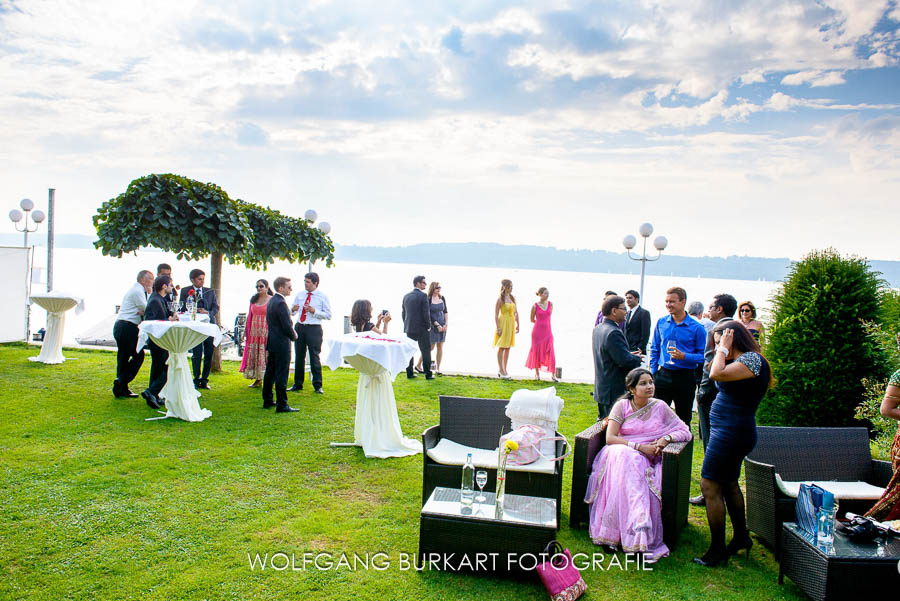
(58, 302)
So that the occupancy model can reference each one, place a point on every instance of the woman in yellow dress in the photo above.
(507, 320)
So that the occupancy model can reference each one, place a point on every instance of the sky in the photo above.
(764, 128)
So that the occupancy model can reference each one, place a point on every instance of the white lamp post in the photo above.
(660, 243)
(324, 227)
(37, 217)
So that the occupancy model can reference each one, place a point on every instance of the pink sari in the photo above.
(624, 486)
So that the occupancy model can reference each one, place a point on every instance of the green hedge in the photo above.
(818, 345)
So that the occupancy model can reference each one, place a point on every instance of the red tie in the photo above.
(303, 314)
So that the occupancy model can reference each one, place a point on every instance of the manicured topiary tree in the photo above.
(818, 346)
(198, 220)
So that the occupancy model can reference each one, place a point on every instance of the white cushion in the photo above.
(841, 490)
(447, 452)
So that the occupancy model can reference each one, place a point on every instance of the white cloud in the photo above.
(814, 78)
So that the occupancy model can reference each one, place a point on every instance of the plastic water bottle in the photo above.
(825, 520)
(190, 306)
(467, 489)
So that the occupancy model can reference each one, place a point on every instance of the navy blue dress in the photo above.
(732, 421)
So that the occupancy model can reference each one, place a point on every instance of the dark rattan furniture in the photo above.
(847, 570)
(479, 423)
(480, 542)
(676, 481)
(803, 454)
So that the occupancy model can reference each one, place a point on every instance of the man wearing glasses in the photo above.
(612, 358)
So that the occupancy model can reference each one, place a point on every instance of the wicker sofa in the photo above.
(479, 423)
(676, 481)
(804, 454)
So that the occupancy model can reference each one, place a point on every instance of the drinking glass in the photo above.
(481, 480)
(670, 346)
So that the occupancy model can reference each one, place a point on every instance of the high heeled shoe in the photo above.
(739, 543)
(712, 559)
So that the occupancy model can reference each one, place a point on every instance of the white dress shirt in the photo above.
(319, 303)
(135, 299)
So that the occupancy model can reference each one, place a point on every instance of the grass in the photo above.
(99, 504)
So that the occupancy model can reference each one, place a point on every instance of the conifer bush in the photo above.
(818, 346)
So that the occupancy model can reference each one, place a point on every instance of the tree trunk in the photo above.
(216, 284)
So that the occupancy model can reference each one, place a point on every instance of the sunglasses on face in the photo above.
(746, 310)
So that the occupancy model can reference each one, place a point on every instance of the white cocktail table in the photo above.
(179, 337)
(378, 358)
(56, 304)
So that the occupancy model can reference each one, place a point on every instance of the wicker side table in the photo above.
(848, 570)
(478, 541)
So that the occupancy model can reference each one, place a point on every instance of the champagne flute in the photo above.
(481, 480)
(670, 346)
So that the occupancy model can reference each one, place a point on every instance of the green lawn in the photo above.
(97, 503)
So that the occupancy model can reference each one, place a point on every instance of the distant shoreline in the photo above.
(488, 254)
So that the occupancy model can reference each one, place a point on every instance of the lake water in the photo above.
(470, 292)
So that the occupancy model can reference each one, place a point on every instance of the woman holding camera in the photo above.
(361, 318)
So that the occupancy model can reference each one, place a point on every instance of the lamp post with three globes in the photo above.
(659, 243)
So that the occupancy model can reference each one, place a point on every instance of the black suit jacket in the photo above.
(278, 320)
(637, 329)
(416, 313)
(612, 362)
(707, 391)
(208, 302)
(157, 308)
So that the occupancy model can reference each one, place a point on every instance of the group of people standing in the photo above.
(158, 299)
(733, 378)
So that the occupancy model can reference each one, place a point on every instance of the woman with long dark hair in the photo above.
(440, 319)
(253, 363)
(742, 376)
(361, 318)
(623, 489)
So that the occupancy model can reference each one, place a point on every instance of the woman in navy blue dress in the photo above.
(742, 376)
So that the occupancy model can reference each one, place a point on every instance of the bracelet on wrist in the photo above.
(721, 349)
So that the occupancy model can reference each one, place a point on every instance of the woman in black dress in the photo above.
(437, 305)
(742, 376)
(361, 318)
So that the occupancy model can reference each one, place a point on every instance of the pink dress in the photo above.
(624, 486)
(541, 355)
(253, 364)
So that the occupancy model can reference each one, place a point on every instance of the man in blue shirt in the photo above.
(675, 352)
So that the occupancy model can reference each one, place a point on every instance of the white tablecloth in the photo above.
(179, 337)
(379, 359)
(56, 304)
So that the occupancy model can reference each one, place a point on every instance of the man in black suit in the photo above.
(207, 304)
(612, 358)
(166, 269)
(158, 310)
(637, 323)
(417, 324)
(278, 345)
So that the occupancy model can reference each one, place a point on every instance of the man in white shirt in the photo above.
(313, 308)
(125, 332)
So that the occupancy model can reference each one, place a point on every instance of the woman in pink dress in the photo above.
(253, 364)
(624, 486)
(541, 355)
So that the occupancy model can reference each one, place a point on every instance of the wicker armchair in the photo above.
(479, 423)
(803, 454)
(676, 481)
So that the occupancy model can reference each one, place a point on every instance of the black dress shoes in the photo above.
(698, 500)
(430, 378)
(319, 390)
(122, 392)
(412, 376)
(295, 388)
(151, 399)
(268, 404)
(129, 395)
(204, 386)
(286, 409)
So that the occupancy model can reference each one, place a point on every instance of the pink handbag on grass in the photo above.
(560, 577)
(529, 438)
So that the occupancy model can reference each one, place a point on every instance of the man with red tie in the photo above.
(314, 308)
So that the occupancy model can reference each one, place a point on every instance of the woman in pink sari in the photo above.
(253, 363)
(624, 487)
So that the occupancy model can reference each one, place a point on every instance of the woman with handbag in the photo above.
(624, 487)
(742, 376)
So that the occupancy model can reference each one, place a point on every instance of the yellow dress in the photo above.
(507, 336)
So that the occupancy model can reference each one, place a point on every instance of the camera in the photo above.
(385, 312)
